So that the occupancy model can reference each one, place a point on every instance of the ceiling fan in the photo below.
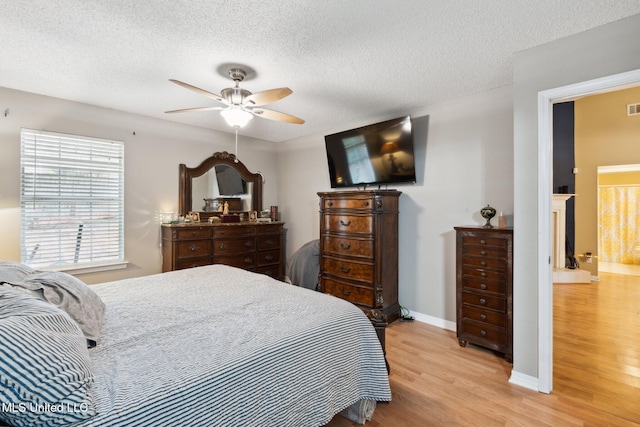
(240, 104)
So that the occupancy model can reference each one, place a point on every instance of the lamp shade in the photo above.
(236, 117)
(389, 147)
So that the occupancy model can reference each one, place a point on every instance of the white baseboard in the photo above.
(434, 321)
(523, 380)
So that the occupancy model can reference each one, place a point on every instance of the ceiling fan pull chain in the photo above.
(236, 159)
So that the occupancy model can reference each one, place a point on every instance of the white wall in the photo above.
(464, 161)
(610, 49)
(152, 156)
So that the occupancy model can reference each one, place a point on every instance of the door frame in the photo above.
(546, 99)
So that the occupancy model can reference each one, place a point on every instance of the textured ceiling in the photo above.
(347, 62)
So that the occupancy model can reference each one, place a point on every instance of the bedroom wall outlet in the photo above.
(588, 257)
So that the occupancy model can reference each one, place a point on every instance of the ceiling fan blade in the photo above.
(200, 91)
(267, 96)
(189, 110)
(276, 115)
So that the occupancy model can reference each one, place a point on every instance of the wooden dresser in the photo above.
(359, 249)
(484, 288)
(252, 246)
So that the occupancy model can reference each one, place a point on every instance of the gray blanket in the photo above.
(304, 265)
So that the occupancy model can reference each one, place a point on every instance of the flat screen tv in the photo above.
(377, 154)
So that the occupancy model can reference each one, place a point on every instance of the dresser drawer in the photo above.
(190, 263)
(192, 233)
(485, 332)
(244, 261)
(193, 248)
(351, 293)
(231, 231)
(484, 300)
(270, 241)
(348, 223)
(364, 203)
(268, 257)
(486, 316)
(483, 273)
(350, 247)
(347, 269)
(479, 239)
(483, 251)
(268, 229)
(482, 284)
(230, 246)
(483, 262)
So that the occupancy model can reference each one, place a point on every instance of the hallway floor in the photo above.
(596, 357)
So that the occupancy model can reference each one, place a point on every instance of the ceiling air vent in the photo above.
(633, 109)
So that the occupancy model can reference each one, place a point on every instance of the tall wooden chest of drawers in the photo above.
(359, 249)
(484, 288)
(251, 246)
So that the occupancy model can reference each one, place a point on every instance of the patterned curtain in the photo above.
(619, 230)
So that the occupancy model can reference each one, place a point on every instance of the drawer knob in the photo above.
(483, 252)
(269, 257)
(193, 233)
(483, 317)
(345, 270)
(483, 301)
(366, 203)
(483, 263)
(329, 203)
(483, 274)
(194, 248)
(248, 244)
(483, 242)
(346, 224)
(345, 247)
(483, 286)
(345, 292)
(223, 246)
(483, 333)
(248, 260)
(269, 242)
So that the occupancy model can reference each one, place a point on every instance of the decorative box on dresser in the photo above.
(359, 251)
(249, 245)
(484, 288)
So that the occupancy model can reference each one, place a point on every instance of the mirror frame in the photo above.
(185, 196)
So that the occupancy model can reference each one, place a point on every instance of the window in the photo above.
(71, 200)
(360, 167)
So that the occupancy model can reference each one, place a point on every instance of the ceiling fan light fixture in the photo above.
(236, 117)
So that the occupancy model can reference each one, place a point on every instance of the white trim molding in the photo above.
(546, 99)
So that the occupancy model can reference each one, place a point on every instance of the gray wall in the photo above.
(611, 49)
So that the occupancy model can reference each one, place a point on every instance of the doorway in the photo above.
(546, 99)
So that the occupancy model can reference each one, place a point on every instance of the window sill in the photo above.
(90, 268)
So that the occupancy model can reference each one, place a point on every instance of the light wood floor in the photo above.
(596, 357)
(435, 382)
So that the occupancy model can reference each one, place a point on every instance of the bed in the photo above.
(208, 346)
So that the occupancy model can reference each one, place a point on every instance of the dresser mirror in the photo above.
(217, 179)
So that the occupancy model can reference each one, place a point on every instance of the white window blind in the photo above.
(71, 200)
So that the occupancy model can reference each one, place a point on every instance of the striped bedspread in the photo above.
(220, 346)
